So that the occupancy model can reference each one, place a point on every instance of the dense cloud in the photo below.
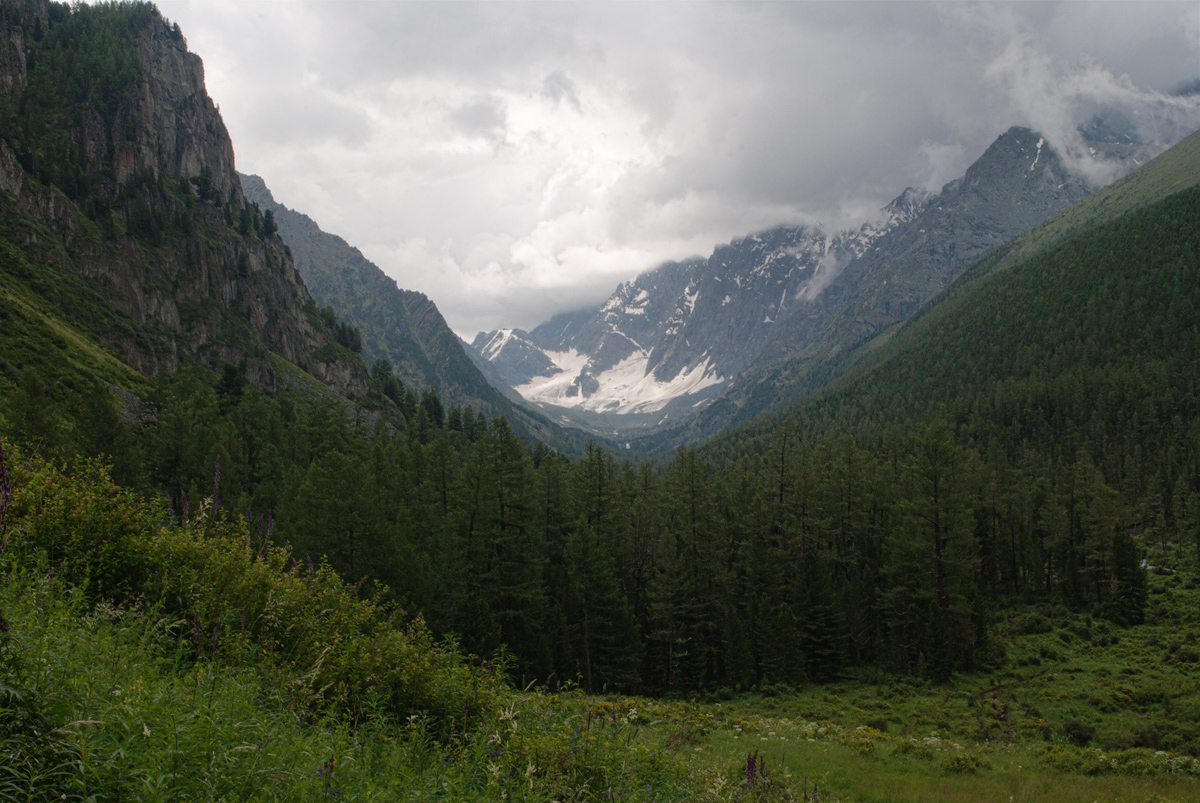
(513, 161)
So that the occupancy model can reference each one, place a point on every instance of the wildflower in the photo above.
(5, 495)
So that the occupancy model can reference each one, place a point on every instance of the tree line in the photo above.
(1022, 445)
(806, 561)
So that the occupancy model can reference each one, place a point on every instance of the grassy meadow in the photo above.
(150, 658)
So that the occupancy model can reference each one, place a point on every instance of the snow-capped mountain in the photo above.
(514, 356)
(754, 322)
(1018, 183)
(674, 337)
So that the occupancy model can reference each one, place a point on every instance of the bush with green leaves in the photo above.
(143, 656)
(334, 646)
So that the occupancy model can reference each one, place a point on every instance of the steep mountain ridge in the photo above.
(120, 202)
(911, 357)
(403, 327)
(1018, 182)
(1066, 345)
(338, 275)
(671, 339)
(739, 328)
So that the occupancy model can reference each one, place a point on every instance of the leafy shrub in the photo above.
(84, 525)
(964, 763)
(1067, 759)
(309, 632)
(913, 748)
(1079, 732)
(1034, 624)
(1187, 655)
(863, 739)
(776, 690)
(332, 352)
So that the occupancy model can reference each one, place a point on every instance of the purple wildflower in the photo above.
(5, 495)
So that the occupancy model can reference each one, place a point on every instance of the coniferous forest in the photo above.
(966, 568)
(985, 458)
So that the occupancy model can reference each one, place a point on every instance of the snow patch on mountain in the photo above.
(492, 348)
(682, 332)
(628, 387)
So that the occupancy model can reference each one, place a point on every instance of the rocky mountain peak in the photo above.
(133, 174)
(671, 339)
(178, 128)
(763, 308)
(906, 206)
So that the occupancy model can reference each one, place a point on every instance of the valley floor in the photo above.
(212, 668)
(1075, 716)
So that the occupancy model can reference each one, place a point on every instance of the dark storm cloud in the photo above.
(513, 160)
(483, 118)
(560, 89)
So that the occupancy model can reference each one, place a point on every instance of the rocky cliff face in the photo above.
(339, 276)
(675, 337)
(401, 326)
(137, 188)
(1018, 183)
(177, 127)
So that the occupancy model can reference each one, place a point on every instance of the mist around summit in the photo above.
(514, 162)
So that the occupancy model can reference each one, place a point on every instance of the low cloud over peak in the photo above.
(513, 161)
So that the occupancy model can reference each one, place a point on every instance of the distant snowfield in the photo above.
(494, 346)
(627, 387)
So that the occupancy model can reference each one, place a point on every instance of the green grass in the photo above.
(50, 315)
(139, 720)
(145, 658)
(35, 333)
(290, 375)
(150, 659)
(1004, 734)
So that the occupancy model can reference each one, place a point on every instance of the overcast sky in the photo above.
(517, 160)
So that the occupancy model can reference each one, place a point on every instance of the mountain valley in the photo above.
(400, 326)
(908, 512)
(696, 346)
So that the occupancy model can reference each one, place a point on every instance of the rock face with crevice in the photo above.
(674, 338)
(134, 191)
(710, 342)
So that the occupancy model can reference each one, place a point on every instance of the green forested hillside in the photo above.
(1087, 350)
(966, 570)
(1017, 442)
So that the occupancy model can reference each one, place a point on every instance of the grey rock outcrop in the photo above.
(209, 289)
